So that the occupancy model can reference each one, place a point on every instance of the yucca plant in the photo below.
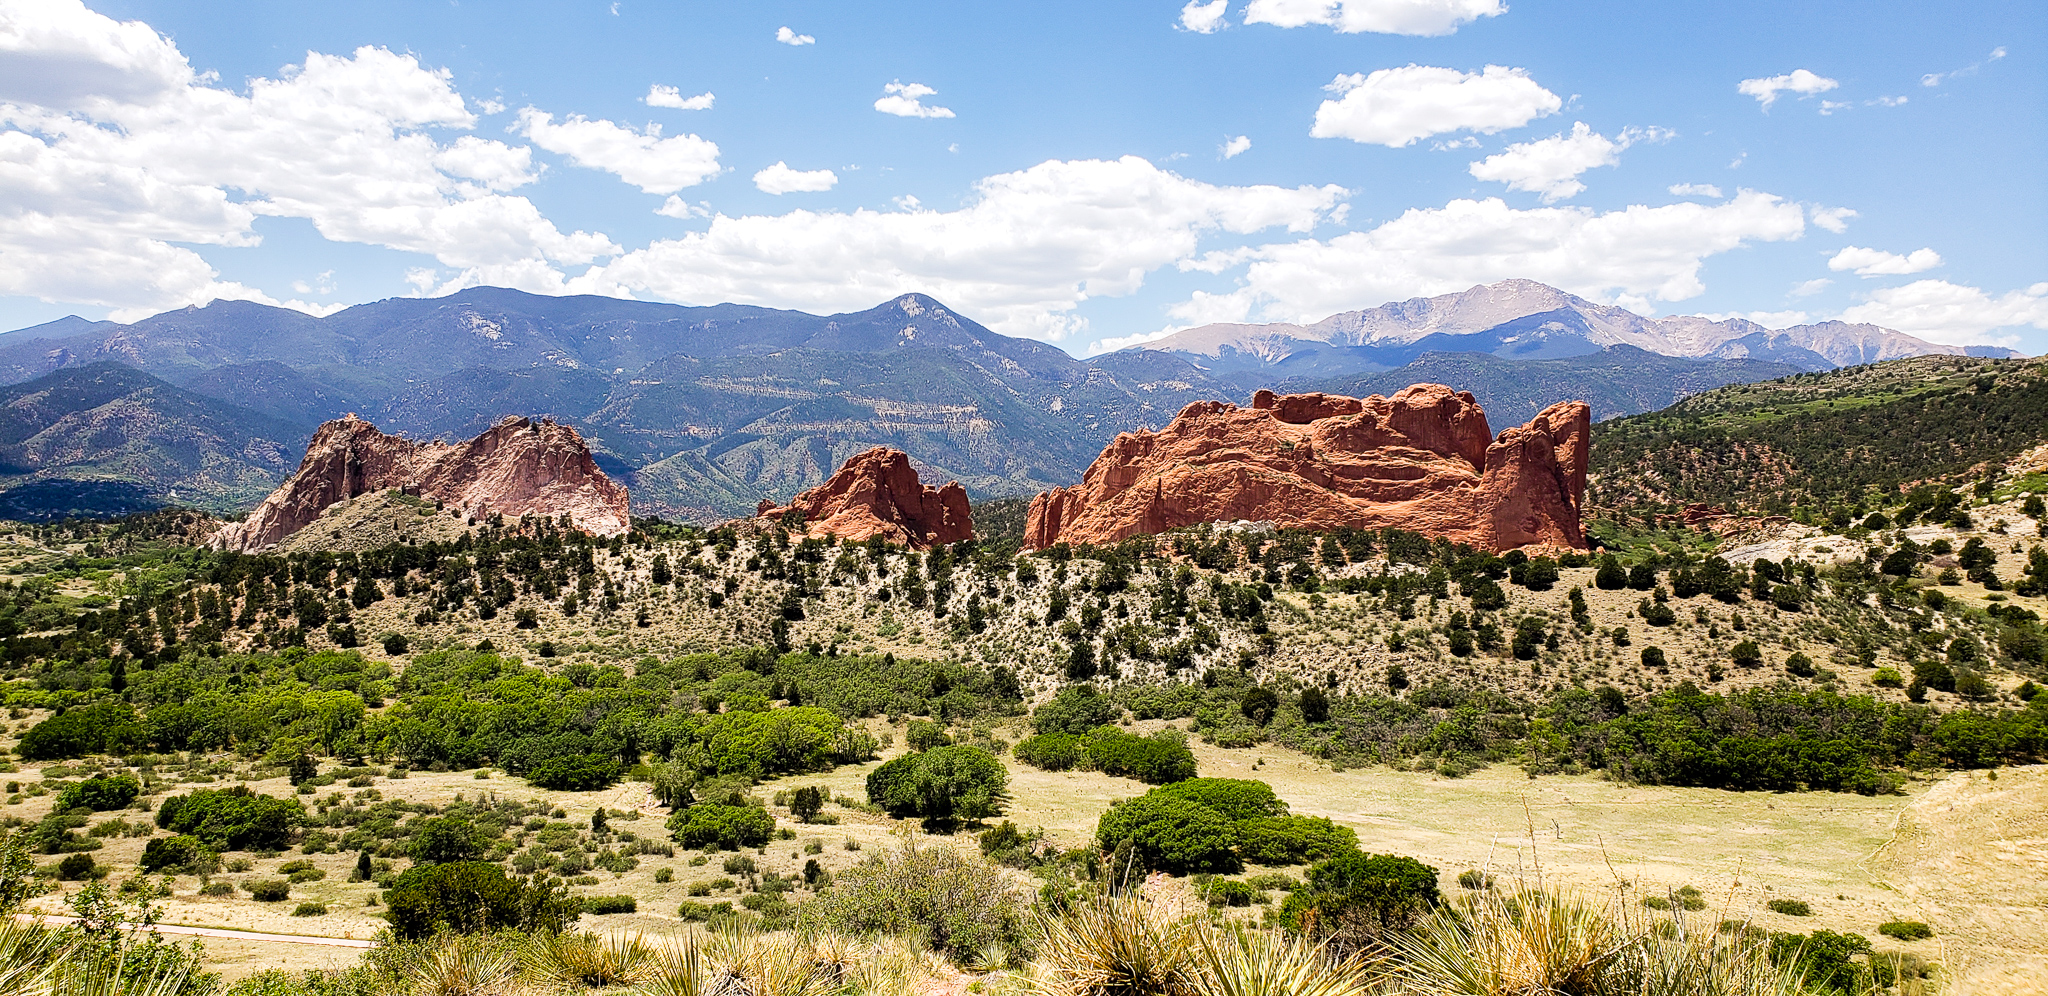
(1115, 946)
(1511, 943)
(584, 959)
(462, 965)
(113, 972)
(678, 970)
(28, 956)
(1239, 961)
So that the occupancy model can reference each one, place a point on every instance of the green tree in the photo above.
(943, 785)
(1174, 835)
(445, 839)
(729, 827)
(1074, 709)
(472, 897)
(1356, 900)
(100, 793)
(806, 802)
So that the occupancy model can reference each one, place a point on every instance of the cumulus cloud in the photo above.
(1632, 256)
(1935, 79)
(780, 179)
(669, 96)
(906, 100)
(1203, 18)
(1396, 107)
(1800, 81)
(788, 37)
(1235, 147)
(1808, 288)
(1835, 220)
(1550, 167)
(114, 157)
(1954, 314)
(1878, 263)
(1029, 248)
(1393, 17)
(643, 158)
(1694, 190)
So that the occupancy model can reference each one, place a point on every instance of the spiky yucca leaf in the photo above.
(1523, 941)
(678, 970)
(1243, 962)
(1115, 946)
(585, 959)
(28, 957)
(463, 965)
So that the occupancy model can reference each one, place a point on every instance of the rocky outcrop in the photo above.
(517, 467)
(877, 493)
(1423, 460)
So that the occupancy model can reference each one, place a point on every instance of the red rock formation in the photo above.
(514, 468)
(877, 493)
(1423, 460)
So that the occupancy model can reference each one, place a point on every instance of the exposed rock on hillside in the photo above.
(514, 468)
(877, 493)
(1423, 460)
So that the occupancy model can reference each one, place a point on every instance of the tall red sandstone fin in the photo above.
(514, 468)
(1423, 460)
(877, 493)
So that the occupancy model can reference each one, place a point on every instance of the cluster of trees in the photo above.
(1074, 729)
(1214, 825)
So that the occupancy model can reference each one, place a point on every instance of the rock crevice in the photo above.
(1424, 460)
(517, 467)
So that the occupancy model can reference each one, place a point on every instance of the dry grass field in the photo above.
(1967, 854)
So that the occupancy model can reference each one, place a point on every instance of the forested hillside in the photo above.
(1847, 441)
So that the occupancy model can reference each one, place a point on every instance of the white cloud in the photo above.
(1203, 18)
(1031, 246)
(1393, 17)
(788, 37)
(1828, 107)
(1808, 288)
(494, 164)
(1550, 166)
(905, 100)
(1694, 190)
(1116, 342)
(654, 164)
(1630, 256)
(676, 207)
(114, 157)
(1887, 101)
(780, 179)
(1395, 107)
(1956, 315)
(1935, 79)
(1800, 81)
(1878, 263)
(1835, 220)
(1236, 147)
(669, 96)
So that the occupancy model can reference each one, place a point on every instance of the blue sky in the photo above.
(1102, 172)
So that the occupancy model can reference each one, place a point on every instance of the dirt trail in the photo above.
(1973, 854)
(223, 933)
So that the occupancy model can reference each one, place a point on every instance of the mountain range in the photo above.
(1525, 320)
(703, 411)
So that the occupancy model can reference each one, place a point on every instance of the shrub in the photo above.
(729, 827)
(664, 876)
(105, 728)
(1075, 709)
(1229, 892)
(1474, 879)
(924, 735)
(961, 904)
(1292, 840)
(1790, 907)
(310, 909)
(395, 644)
(75, 867)
(183, 851)
(575, 773)
(100, 794)
(232, 819)
(1887, 677)
(274, 890)
(447, 838)
(805, 803)
(1235, 798)
(1050, 751)
(942, 785)
(1906, 930)
(1358, 900)
(1169, 834)
(1747, 654)
(1156, 760)
(472, 897)
(607, 905)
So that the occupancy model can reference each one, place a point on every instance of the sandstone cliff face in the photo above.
(877, 493)
(1423, 460)
(514, 468)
